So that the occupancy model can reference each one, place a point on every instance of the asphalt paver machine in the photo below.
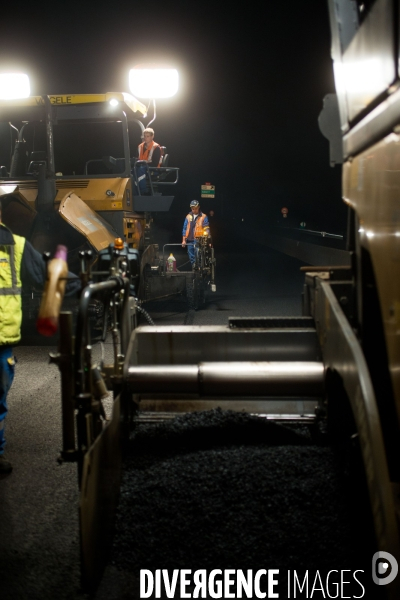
(341, 358)
(69, 175)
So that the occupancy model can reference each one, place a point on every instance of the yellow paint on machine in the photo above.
(127, 100)
(371, 185)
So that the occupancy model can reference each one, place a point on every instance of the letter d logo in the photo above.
(384, 568)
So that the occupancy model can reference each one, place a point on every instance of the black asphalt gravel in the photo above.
(225, 490)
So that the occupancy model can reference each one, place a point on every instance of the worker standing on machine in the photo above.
(194, 226)
(149, 152)
(20, 266)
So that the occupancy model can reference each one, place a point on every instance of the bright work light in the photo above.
(14, 85)
(153, 82)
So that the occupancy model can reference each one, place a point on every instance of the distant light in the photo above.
(361, 230)
(153, 82)
(14, 85)
(114, 102)
(370, 234)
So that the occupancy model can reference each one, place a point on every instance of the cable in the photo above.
(180, 266)
(146, 315)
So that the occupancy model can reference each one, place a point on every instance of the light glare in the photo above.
(14, 85)
(114, 102)
(153, 83)
(364, 77)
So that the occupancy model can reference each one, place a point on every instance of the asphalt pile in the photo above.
(222, 489)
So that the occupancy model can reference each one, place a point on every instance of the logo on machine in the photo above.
(384, 568)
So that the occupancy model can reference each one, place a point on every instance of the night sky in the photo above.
(253, 78)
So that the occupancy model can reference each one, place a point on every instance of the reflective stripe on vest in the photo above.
(148, 153)
(10, 291)
(198, 227)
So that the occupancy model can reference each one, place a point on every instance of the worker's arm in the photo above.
(184, 232)
(33, 271)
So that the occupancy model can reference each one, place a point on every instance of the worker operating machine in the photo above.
(69, 174)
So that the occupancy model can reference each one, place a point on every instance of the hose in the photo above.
(146, 315)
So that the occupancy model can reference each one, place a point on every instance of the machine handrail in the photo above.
(82, 335)
(165, 170)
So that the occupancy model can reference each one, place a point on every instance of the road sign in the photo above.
(208, 191)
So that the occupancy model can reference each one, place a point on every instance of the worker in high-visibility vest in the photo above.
(21, 266)
(195, 225)
(150, 152)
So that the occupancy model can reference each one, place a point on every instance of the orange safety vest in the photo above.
(198, 226)
(146, 154)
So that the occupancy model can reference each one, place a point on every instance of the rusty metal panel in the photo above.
(371, 186)
(343, 354)
(98, 500)
(183, 345)
(152, 203)
(91, 225)
(162, 286)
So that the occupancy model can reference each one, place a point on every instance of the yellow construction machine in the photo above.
(68, 173)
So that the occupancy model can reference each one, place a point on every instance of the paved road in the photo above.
(256, 281)
(38, 517)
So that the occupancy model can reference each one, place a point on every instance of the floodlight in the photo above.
(7, 189)
(14, 85)
(153, 82)
(114, 102)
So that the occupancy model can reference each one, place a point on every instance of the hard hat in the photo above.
(194, 203)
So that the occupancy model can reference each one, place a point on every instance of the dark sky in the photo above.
(253, 78)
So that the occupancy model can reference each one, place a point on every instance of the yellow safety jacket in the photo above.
(198, 226)
(10, 291)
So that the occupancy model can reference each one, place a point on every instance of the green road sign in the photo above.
(208, 191)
